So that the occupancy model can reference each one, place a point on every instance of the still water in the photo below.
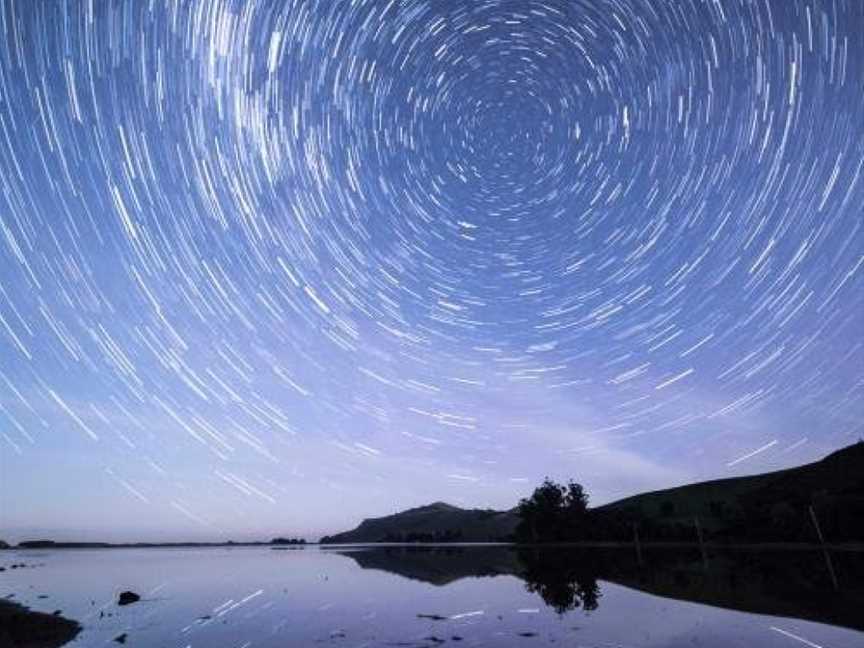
(459, 596)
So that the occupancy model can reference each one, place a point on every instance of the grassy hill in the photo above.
(771, 507)
(438, 522)
(768, 507)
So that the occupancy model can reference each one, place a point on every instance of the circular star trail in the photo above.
(364, 250)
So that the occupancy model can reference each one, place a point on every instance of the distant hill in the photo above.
(438, 522)
(771, 507)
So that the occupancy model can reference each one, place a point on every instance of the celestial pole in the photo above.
(243, 243)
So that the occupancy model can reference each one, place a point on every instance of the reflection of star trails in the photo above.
(796, 637)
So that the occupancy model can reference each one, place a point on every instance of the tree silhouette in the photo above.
(553, 513)
(563, 579)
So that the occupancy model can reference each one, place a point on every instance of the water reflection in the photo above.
(565, 582)
(791, 583)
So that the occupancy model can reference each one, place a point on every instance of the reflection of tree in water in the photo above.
(563, 579)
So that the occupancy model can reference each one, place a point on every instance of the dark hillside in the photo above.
(782, 506)
(438, 522)
(769, 507)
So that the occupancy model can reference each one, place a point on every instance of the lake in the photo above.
(424, 596)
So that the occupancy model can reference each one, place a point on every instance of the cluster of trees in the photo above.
(288, 541)
(554, 513)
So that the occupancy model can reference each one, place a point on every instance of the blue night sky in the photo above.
(271, 267)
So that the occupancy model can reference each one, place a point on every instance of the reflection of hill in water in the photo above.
(437, 565)
(792, 583)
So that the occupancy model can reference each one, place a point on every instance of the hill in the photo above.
(772, 507)
(438, 522)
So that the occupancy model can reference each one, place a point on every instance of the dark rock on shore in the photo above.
(127, 598)
(23, 628)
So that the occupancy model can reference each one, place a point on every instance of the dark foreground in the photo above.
(21, 627)
(428, 596)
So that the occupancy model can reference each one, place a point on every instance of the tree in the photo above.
(288, 541)
(575, 513)
(553, 513)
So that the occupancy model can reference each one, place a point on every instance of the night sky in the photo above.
(273, 266)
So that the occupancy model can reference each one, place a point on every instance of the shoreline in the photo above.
(21, 627)
(50, 544)
(785, 546)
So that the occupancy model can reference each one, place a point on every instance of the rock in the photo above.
(127, 598)
(121, 639)
(20, 626)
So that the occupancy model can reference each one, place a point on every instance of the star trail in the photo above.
(285, 264)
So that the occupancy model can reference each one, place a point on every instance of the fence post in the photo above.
(701, 541)
(825, 553)
(815, 521)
